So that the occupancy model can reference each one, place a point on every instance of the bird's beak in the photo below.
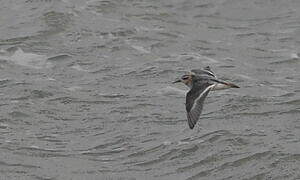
(176, 81)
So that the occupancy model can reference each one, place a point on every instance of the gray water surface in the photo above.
(86, 92)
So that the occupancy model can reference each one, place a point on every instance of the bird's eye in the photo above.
(185, 77)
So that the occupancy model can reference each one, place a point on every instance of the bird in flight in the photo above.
(200, 82)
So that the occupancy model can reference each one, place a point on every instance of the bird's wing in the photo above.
(195, 99)
(204, 71)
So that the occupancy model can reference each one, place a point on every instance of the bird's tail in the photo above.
(225, 85)
(231, 85)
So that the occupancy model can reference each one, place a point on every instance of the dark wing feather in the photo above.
(195, 99)
(205, 71)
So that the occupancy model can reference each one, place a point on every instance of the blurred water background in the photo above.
(86, 93)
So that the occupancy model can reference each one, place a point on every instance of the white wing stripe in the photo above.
(209, 72)
(195, 102)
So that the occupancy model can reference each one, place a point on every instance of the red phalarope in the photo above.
(200, 82)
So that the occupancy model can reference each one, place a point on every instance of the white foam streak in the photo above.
(31, 60)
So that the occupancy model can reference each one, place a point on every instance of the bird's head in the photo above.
(186, 79)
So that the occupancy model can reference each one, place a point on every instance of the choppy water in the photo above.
(86, 89)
